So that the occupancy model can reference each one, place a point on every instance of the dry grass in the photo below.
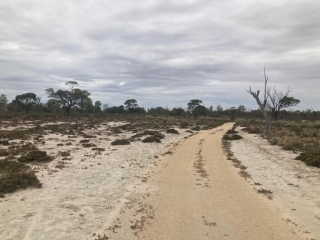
(291, 135)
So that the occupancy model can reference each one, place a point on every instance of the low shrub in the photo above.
(4, 142)
(172, 130)
(232, 131)
(184, 124)
(84, 141)
(251, 130)
(231, 137)
(121, 142)
(196, 128)
(99, 149)
(155, 133)
(310, 158)
(7, 167)
(87, 145)
(15, 181)
(3, 152)
(65, 154)
(89, 136)
(35, 156)
(151, 139)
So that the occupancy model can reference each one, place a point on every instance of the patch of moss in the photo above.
(121, 142)
(310, 158)
(35, 156)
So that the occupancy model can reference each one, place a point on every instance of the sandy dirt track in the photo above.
(202, 196)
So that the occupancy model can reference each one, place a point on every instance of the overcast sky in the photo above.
(162, 53)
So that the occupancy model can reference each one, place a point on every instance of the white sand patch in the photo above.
(84, 197)
(295, 186)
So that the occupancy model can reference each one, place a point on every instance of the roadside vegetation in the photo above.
(297, 136)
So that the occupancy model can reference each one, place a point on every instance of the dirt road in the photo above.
(202, 196)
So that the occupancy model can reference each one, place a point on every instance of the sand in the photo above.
(295, 187)
(183, 188)
(200, 195)
(82, 199)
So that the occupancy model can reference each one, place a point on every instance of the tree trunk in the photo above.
(268, 126)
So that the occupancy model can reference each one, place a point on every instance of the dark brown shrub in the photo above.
(151, 139)
(232, 131)
(65, 154)
(172, 130)
(99, 149)
(184, 124)
(4, 142)
(3, 152)
(84, 141)
(35, 156)
(121, 142)
(196, 128)
(87, 145)
(231, 137)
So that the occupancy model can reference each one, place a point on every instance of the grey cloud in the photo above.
(163, 52)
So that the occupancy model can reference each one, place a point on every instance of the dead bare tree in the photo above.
(264, 107)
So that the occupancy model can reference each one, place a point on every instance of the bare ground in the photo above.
(200, 195)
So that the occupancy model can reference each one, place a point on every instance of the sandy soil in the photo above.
(200, 195)
(295, 187)
(183, 188)
(82, 199)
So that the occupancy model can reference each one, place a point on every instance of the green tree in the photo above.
(3, 102)
(26, 100)
(130, 105)
(192, 108)
(83, 100)
(97, 106)
(219, 110)
(66, 98)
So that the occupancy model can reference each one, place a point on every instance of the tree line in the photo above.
(75, 100)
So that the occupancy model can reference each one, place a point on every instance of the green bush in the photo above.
(15, 181)
(310, 158)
